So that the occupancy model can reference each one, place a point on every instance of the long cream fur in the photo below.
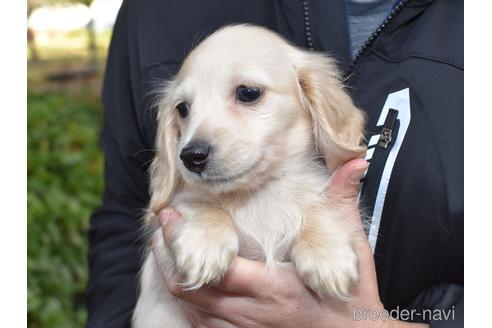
(263, 194)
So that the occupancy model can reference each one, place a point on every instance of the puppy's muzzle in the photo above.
(194, 155)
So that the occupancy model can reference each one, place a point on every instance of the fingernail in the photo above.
(164, 217)
(357, 176)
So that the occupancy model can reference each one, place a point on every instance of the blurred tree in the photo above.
(91, 44)
(64, 173)
(38, 3)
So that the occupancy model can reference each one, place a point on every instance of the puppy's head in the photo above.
(244, 104)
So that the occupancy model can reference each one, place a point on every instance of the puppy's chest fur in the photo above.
(268, 224)
(270, 219)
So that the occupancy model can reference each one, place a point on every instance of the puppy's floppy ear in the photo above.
(338, 126)
(164, 175)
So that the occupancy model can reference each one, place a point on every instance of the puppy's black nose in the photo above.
(194, 155)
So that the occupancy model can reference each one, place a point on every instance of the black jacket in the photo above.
(408, 76)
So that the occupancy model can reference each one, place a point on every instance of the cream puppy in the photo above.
(249, 132)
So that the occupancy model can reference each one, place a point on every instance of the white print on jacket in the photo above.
(400, 101)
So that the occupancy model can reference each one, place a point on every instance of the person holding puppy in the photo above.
(407, 76)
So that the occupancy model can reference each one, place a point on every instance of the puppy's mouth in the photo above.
(224, 179)
(217, 177)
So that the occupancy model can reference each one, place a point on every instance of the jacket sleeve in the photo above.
(114, 253)
(442, 306)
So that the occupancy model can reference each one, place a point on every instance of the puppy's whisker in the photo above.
(144, 150)
(144, 164)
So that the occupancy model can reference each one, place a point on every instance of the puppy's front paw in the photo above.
(326, 270)
(202, 256)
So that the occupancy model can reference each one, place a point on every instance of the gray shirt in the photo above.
(364, 17)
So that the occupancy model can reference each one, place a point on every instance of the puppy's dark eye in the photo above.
(247, 94)
(183, 109)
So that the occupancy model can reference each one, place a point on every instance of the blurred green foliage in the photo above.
(64, 185)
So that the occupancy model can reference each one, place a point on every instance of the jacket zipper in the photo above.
(394, 12)
(387, 129)
(307, 25)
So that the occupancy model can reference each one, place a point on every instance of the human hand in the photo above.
(250, 295)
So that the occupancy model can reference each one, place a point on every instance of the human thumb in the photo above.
(345, 181)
